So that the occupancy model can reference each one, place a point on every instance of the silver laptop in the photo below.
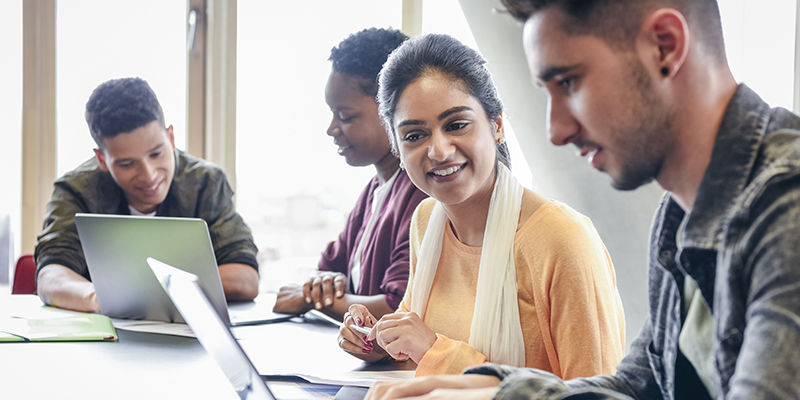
(187, 293)
(116, 248)
(194, 304)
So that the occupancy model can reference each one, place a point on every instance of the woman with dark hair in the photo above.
(369, 262)
(498, 272)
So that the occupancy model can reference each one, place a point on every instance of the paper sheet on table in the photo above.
(164, 328)
(358, 378)
(30, 306)
(312, 354)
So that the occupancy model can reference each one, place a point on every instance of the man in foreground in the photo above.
(643, 88)
(138, 171)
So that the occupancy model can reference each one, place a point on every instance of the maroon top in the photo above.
(385, 257)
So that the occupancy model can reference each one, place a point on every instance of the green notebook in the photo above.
(82, 327)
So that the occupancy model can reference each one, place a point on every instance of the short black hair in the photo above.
(120, 106)
(363, 53)
(618, 21)
(443, 54)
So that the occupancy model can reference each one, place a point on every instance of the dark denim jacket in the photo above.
(741, 243)
(199, 189)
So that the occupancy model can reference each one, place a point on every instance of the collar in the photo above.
(732, 161)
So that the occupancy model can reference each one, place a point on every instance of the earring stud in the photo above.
(501, 140)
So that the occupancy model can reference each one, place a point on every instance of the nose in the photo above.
(149, 171)
(440, 146)
(563, 128)
(333, 129)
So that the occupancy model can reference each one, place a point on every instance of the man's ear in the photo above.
(171, 136)
(667, 32)
(101, 159)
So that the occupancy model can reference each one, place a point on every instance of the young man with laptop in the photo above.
(137, 171)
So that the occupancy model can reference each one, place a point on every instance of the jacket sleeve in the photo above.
(634, 379)
(231, 237)
(58, 243)
(759, 344)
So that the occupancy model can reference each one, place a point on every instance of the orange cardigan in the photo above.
(570, 310)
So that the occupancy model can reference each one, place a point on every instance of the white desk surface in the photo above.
(153, 366)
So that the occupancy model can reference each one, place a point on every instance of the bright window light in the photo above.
(293, 189)
(760, 41)
(103, 39)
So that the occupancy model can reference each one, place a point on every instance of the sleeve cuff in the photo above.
(245, 259)
(522, 383)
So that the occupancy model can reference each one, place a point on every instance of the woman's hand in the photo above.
(355, 342)
(291, 300)
(437, 387)
(403, 335)
(320, 288)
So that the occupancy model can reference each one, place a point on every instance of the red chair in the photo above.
(24, 275)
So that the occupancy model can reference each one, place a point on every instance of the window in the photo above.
(760, 41)
(293, 189)
(100, 40)
(11, 117)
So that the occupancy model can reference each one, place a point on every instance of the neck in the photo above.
(468, 219)
(699, 112)
(386, 167)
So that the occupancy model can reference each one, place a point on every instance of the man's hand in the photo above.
(455, 387)
(62, 287)
(291, 300)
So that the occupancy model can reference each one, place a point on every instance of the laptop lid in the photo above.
(193, 303)
(116, 248)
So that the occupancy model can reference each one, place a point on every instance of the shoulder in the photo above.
(559, 227)
(775, 187)
(96, 189)
(422, 214)
(88, 173)
(189, 168)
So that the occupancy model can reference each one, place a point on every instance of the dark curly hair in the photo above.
(119, 106)
(363, 53)
(431, 54)
(618, 21)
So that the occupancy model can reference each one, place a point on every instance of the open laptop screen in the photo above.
(191, 300)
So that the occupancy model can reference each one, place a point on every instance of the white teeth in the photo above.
(448, 171)
(591, 155)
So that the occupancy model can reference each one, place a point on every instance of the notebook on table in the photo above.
(116, 248)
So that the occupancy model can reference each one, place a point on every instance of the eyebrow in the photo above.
(550, 72)
(120, 160)
(441, 116)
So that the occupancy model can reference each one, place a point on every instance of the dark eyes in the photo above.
(567, 83)
(454, 126)
(412, 137)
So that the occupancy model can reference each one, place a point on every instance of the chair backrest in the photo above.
(24, 275)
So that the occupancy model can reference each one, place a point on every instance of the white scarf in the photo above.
(496, 331)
